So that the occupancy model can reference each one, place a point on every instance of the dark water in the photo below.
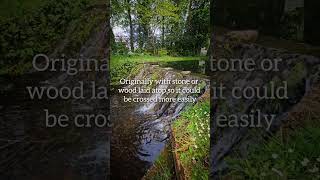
(137, 139)
(30, 150)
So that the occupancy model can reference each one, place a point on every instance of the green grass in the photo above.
(121, 70)
(297, 158)
(122, 66)
(163, 168)
(192, 136)
(116, 59)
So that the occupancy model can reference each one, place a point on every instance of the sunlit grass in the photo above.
(121, 66)
(115, 59)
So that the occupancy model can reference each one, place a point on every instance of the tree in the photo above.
(128, 6)
(122, 15)
(179, 26)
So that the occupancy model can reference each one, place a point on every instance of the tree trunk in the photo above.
(131, 26)
(163, 29)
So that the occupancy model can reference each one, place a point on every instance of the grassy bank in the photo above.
(122, 66)
(163, 168)
(192, 140)
(296, 158)
(292, 153)
(190, 149)
(140, 58)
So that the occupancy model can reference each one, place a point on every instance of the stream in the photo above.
(35, 151)
(142, 130)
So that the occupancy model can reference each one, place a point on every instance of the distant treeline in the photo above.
(157, 27)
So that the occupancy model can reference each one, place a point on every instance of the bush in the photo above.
(121, 70)
(119, 48)
(163, 52)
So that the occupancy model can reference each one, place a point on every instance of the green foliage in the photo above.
(141, 58)
(192, 134)
(31, 32)
(298, 158)
(163, 52)
(122, 66)
(193, 33)
(180, 27)
(121, 70)
(119, 48)
(84, 26)
(10, 8)
(167, 9)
